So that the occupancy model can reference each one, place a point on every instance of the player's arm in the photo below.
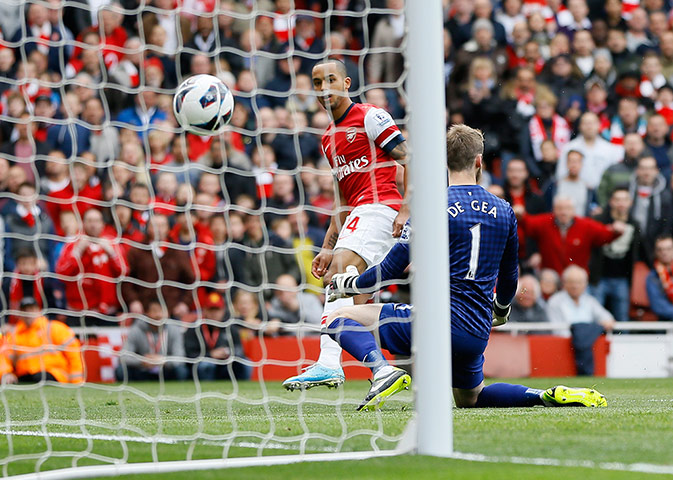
(392, 267)
(351, 283)
(382, 130)
(508, 276)
(399, 153)
(606, 233)
(322, 261)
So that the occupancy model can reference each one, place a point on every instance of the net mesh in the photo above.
(235, 219)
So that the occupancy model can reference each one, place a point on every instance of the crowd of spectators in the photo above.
(111, 213)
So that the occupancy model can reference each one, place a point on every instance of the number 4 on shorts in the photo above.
(353, 224)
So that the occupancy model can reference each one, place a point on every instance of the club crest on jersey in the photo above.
(351, 132)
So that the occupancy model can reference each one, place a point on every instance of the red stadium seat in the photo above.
(640, 302)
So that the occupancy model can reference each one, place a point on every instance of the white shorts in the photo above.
(368, 231)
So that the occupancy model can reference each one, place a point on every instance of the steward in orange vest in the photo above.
(40, 349)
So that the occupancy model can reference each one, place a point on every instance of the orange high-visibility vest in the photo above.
(45, 345)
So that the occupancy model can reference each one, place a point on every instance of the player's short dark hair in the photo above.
(463, 144)
(341, 66)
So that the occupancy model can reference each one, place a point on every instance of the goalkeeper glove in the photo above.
(500, 313)
(343, 284)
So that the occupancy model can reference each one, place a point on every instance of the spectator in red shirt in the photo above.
(155, 261)
(284, 21)
(114, 35)
(516, 48)
(93, 256)
(91, 39)
(78, 194)
(189, 231)
(124, 225)
(56, 176)
(204, 207)
(159, 142)
(25, 147)
(325, 199)
(40, 32)
(546, 124)
(140, 197)
(44, 290)
(565, 239)
(210, 183)
(165, 190)
(26, 223)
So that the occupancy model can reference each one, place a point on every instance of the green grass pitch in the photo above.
(86, 426)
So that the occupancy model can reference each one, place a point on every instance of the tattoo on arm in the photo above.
(333, 240)
(399, 152)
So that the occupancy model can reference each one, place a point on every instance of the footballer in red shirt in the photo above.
(363, 146)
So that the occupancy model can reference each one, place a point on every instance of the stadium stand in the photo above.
(91, 155)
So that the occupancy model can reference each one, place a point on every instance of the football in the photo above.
(203, 105)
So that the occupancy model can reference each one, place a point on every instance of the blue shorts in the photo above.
(467, 351)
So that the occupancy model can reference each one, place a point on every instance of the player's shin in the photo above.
(504, 395)
(359, 342)
(330, 351)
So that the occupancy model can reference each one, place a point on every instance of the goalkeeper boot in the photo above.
(562, 396)
(384, 387)
(314, 376)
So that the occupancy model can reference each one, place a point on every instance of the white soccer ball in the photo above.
(203, 105)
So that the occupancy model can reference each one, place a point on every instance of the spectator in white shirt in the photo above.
(585, 315)
(599, 154)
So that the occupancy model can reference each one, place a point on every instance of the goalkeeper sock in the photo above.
(330, 351)
(377, 363)
(504, 395)
(359, 342)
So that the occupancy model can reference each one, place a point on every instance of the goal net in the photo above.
(172, 272)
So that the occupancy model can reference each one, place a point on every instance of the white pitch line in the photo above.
(156, 439)
(556, 462)
(473, 457)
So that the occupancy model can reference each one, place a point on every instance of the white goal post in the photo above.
(429, 246)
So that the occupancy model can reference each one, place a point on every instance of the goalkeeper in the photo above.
(483, 243)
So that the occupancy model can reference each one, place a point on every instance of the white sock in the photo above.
(330, 351)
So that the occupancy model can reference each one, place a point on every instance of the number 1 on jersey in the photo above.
(474, 251)
(353, 224)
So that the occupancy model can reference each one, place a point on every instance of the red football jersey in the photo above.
(358, 146)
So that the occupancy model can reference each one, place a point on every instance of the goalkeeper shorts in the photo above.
(467, 351)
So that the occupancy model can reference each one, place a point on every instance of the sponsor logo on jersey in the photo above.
(351, 132)
(382, 118)
(344, 169)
